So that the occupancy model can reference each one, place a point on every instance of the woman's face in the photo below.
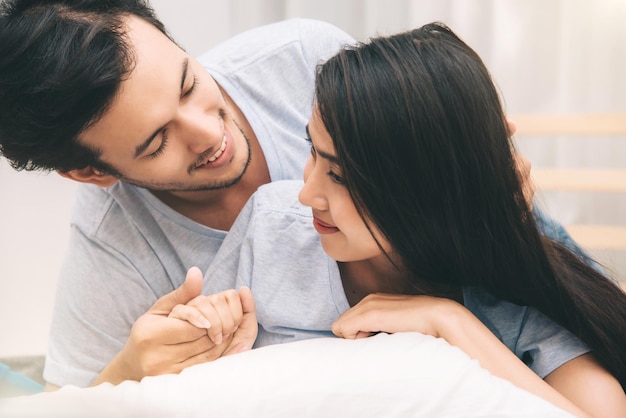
(343, 232)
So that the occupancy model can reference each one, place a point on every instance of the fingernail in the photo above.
(205, 323)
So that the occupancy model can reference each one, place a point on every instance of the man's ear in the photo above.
(89, 175)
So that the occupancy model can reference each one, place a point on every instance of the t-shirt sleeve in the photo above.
(99, 297)
(545, 345)
(536, 339)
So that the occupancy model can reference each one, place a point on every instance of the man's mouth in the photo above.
(215, 155)
(219, 151)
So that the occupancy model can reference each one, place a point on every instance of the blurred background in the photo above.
(546, 56)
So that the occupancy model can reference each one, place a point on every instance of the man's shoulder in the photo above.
(105, 212)
(306, 36)
(306, 28)
(92, 205)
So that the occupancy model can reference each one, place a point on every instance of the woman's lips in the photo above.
(324, 228)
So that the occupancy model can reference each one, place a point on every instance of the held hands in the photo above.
(220, 314)
(161, 343)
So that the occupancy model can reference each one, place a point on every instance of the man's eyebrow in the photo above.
(333, 159)
(184, 76)
(145, 144)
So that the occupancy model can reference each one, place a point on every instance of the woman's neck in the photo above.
(380, 275)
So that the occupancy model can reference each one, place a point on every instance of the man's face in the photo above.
(169, 127)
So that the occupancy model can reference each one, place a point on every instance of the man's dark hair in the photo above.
(61, 66)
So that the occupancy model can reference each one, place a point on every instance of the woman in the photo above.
(413, 190)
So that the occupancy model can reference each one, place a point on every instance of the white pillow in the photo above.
(400, 375)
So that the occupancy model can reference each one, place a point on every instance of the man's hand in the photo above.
(158, 344)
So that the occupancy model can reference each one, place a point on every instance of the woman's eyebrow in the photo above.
(333, 159)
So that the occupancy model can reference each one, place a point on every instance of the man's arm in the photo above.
(100, 298)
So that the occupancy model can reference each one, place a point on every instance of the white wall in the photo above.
(560, 55)
(34, 216)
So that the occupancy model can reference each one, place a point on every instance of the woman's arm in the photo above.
(453, 322)
(590, 386)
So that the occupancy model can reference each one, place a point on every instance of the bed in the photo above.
(399, 375)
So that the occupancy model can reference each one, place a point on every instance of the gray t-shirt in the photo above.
(127, 248)
(274, 249)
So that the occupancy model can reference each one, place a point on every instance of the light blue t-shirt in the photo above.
(127, 248)
(274, 249)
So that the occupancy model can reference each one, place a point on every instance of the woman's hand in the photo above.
(380, 312)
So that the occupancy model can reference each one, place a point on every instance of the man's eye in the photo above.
(161, 148)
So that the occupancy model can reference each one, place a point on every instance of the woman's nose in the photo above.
(310, 194)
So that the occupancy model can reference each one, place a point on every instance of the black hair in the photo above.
(61, 66)
(421, 138)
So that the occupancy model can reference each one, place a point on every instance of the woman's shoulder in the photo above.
(280, 195)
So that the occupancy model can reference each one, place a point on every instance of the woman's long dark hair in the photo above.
(421, 137)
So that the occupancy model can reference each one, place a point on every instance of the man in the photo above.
(169, 149)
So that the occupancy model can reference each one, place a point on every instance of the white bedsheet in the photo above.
(400, 375)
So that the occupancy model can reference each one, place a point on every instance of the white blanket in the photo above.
(400, 375)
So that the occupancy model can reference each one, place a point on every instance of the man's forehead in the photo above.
(138, 31)
(145, 98)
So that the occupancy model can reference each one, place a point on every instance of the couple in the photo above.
(409, 128)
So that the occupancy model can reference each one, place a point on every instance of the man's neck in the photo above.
(216, 209)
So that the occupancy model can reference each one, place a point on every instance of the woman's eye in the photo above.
(313, 152)
(336, 178)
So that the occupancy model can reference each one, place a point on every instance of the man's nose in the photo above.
(201, 131)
